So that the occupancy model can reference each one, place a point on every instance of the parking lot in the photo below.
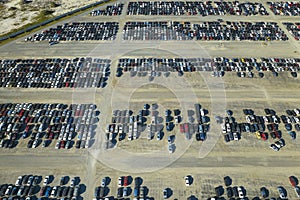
(66, 126)
(54, 73)
(78, 31)
(32, 186)
(195, 8)
(245, 67)
(294, 29)
(207, 30)
(110, 10)
(277, 130)
(250, 162)
(285, 8)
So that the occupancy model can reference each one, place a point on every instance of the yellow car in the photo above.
(258, 135)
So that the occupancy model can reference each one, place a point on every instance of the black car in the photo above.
(235, 191)
(227, 181)
(229, 192)
(288, 127)
(78, 142)
(264, 192)
(297, 127)
(71, 191)
(120, 192)
(29, 144)
(267, 111)
(31, 190)
(65, 191)
(226, 138)
(273, 135)
(62, 180)
(14, 190)
(25, 191)
(97, 191)
(219, 191)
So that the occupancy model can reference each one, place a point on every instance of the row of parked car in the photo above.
(203, 8)
(293, 28)
(125, 123)
(29, 187)
(124, 191)
(54, 72)
(60, 122)
(218, 65)
(198, 123)
(210, 30)
(239, 192)
(285, 8)
(157, 30)
(79, 31)
(110, 10)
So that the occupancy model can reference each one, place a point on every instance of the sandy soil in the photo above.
(15, 14)
(249, 162)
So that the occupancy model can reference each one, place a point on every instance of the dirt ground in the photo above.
(249, 162)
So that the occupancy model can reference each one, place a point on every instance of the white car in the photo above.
(57, 145)
(53, 192)
(46, 180)
(120, 181)
(35, 143)
(187, 180)
(30, 180)
(19, 181)
(241, 192)
(8, 190)
(72, 184)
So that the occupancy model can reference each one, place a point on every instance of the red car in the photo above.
(186, 127)
(181, 128)
(264, 136)
(27, 128)
(42, 191)
(293, 181)
(125, 183)
(62, 144)
(51, 135)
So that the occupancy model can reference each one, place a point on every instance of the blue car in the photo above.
(292, 134)
(47, 193)
(24, 135)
